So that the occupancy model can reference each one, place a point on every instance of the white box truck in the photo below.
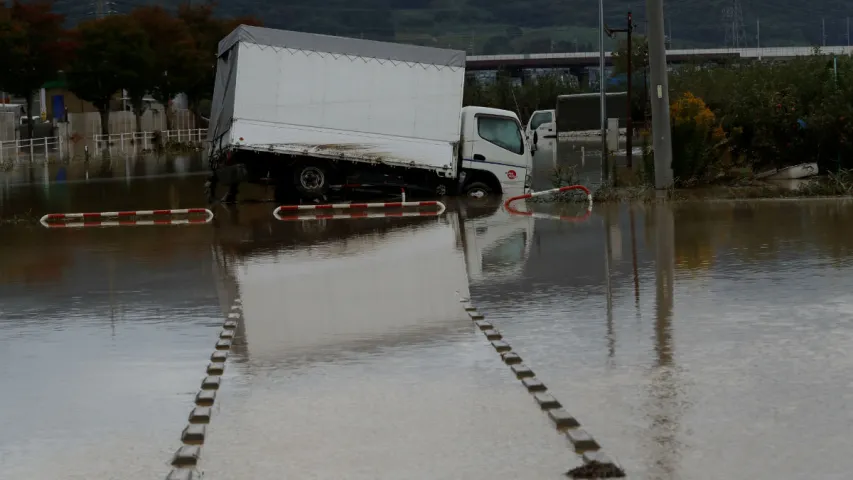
(309, 113)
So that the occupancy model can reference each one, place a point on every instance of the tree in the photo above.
(110, 53)
(497, 45)
(538, 45)
(206, 32)
(174, 51)
(639, 56)
(33, 48)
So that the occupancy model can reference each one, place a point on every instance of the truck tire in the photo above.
(477, 190)
(311, 180)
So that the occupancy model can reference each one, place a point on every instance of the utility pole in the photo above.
(848, 31)
(661, 134)
(823, 30)
(605, 167)
(629, 126)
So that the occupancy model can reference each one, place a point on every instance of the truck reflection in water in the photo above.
(317, 289)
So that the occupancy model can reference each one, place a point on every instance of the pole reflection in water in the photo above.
(608, 286)
(663, 405)
(634, 261)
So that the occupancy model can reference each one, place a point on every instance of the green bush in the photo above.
(539, 93)
(778, 114)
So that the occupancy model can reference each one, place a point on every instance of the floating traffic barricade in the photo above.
(121, 218)
(571, 218)
(359, 206)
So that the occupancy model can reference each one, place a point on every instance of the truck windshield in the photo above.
(502, 132)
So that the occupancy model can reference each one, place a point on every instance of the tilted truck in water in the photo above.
(311, 114)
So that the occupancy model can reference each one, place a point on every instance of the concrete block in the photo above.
(205, 398)
(219, 356)
(546, 401)
(211, 383)
(223, 344)
(511, 358)
(581, 440)
(236, 308)
(234, 316)
(226, 334)
(193, 434)
(182, 474)
(230, 325)
(470, 308)
(483, 324)
(200, 415)
(238, 301)
(476, 316)
(562, 418)
(186, 456)
(492, 334)
(522, 371)
(501, 346)
(215, 368)
(597, 464)
(533, 385)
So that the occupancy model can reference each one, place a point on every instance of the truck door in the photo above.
(500, 148)
(541, 122)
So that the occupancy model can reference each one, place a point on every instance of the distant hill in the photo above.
(488, 26)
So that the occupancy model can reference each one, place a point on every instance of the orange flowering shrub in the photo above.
(699, 143)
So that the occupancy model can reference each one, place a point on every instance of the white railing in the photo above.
(147, 139)
(58, 146)
(12, 149)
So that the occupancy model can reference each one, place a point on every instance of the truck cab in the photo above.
(495, 158)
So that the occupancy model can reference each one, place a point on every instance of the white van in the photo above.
(543, 123)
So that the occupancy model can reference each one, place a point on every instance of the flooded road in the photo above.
(693, 341)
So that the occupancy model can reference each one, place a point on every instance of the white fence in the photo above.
(147, 140)
(60, 147)
(45, 146)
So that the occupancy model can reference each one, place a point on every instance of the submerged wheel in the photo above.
(311, 180)
(477, 190)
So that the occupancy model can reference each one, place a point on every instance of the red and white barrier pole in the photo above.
(343, 216)
(96, 218)
(127, 223)
(361, 206)
(512, 210)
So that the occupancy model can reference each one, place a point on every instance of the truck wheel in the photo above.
(311, 180)
(477, 190)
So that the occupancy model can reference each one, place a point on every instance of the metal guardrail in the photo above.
(194, 135)
(10, 149)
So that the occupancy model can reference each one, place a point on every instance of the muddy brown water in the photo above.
(693, 341)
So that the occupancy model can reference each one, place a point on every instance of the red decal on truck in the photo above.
(511, 174)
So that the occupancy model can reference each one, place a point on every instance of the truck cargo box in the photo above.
(339, 98)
